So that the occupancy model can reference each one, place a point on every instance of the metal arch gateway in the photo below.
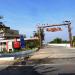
(67, 23)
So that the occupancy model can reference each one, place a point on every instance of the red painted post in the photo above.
(7, 44)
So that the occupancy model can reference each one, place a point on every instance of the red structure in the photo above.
(7, 44)
(16, 44)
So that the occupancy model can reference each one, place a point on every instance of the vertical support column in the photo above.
(70, 34)
(7, 45)
(40, 36)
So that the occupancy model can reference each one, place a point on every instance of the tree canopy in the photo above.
(58, 40)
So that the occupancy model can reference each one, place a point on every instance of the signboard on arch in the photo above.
(53, 29)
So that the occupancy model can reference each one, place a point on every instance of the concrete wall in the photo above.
(63, 45)
(6, 58)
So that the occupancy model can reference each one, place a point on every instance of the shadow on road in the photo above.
(36, 67)
(19, 70)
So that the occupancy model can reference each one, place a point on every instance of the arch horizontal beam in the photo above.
(53, 25)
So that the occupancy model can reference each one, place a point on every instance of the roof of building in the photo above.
(34, 38)
(2, 25)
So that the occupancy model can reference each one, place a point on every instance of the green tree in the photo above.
(40, 33)
(73, 38)
(24, 35)
(57, 40)
(65, 41)
(73, 41)
(35, 34)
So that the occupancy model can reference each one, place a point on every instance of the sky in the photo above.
(24, 15)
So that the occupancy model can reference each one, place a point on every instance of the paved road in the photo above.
(47, 61)
(6, 63)
(51, 52)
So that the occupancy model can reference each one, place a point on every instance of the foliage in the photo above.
(40, 33)
(24, 35)
(65, 41)
(36, 34)
(59, 40)
(73, 38)
(32, 44)
(73, 41)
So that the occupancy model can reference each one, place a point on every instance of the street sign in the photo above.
(53, 29)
